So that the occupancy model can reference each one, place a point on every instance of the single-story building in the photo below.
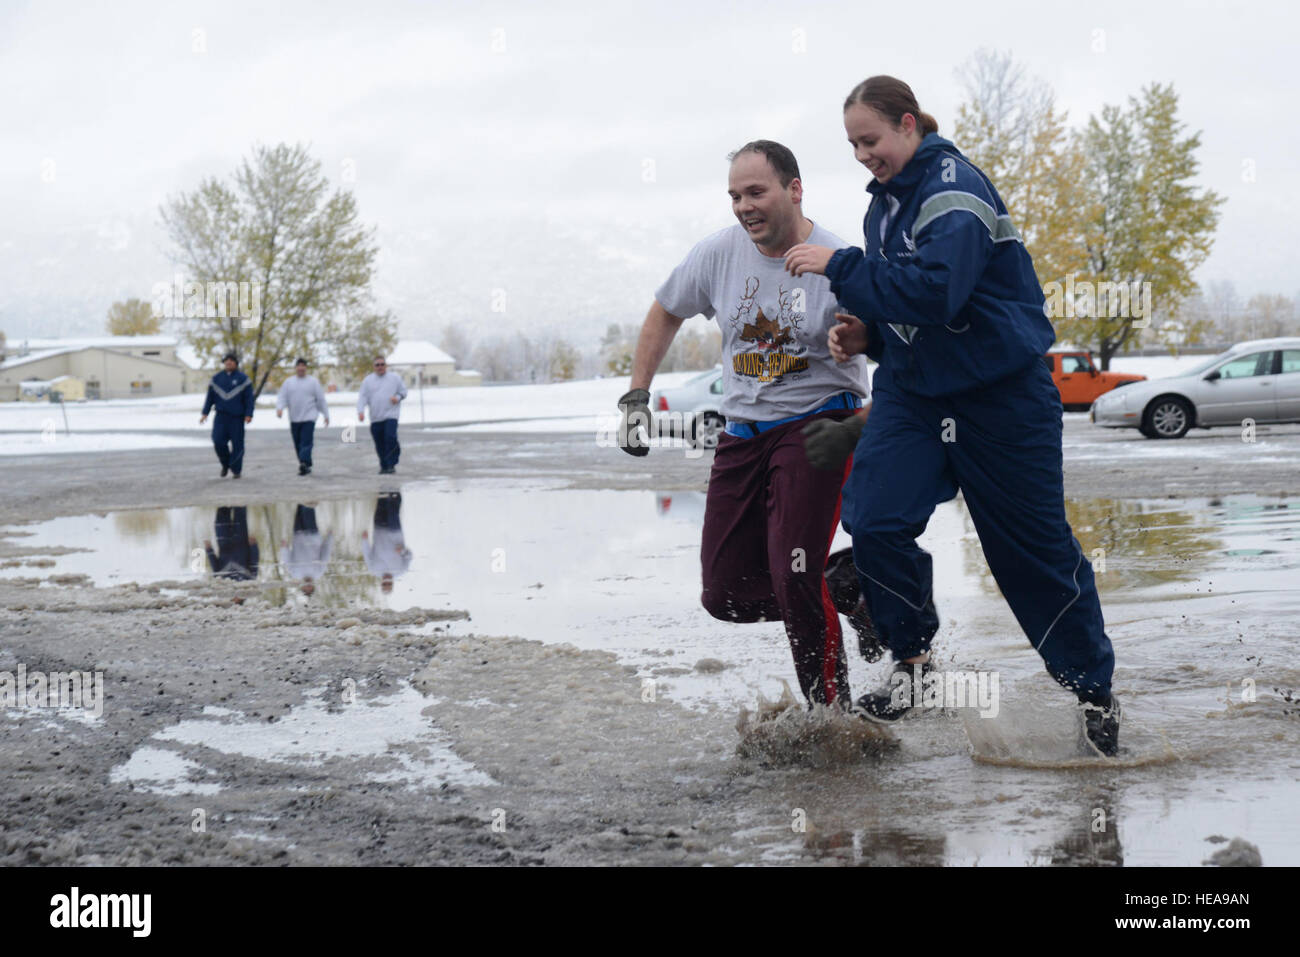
(421, 362)
(108, 367)
(67, 387)
(120, 367)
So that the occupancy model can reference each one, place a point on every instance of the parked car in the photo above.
(1257, 380)
(1079, 381)
(692, 409)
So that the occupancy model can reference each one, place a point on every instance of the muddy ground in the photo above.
(585, 770)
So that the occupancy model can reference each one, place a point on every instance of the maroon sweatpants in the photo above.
(768, 523)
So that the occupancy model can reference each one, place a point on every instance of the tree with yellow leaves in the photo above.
(134, 317)
(277, 226)
(1146, 230)
(1109, 214)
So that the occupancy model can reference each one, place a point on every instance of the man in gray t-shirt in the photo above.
(770, 515)
(776, 362)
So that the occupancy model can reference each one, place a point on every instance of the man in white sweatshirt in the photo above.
(302, 395)
(382, 392)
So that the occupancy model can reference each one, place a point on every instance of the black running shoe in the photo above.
(846, 596)
(302, 469)
(225, 470)
(898, 695)
(1101, 727)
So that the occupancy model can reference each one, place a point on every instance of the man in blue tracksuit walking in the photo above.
(951, 309)
(231, 391)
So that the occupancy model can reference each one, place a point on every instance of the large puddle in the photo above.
(1200, 597)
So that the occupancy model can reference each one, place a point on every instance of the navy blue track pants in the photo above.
(1001, 446)
(384, 432)
(303, 436)
(228, 440)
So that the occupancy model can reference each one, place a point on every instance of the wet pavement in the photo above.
(1200, 599)
(233, 621)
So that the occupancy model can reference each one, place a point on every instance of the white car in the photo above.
(1257, 380)
(691, 409)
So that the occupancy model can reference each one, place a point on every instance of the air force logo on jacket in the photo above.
(945, 286)
(231, 393)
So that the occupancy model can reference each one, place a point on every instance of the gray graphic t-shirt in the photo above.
(774, 355)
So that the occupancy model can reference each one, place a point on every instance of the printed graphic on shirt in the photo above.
(773, 326)
(768, 348)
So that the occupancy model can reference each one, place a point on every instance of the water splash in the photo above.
(783, 733)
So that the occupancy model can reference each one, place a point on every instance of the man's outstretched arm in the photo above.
(657, 333)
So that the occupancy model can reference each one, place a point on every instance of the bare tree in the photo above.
(1269, 316)
(1224, 308)
(456, 342)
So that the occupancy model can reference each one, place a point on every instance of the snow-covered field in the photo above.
(585, 407)
(53, 442)
(567, 407)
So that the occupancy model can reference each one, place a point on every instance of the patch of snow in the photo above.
(55, 442)
(391, 728)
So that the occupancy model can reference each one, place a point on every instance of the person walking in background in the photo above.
(382, 392)
(303, 396)
(231, 391)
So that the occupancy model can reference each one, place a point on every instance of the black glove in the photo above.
(829, 443)
(634, 430)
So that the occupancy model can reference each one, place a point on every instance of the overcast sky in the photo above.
(568, 154)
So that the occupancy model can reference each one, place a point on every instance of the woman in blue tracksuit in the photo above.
(951, 310)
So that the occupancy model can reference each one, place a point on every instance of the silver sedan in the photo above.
(692, 410)
(1257, 380)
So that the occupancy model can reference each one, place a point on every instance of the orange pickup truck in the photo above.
(1079, 381)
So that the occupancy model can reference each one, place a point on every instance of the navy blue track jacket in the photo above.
(231, 393)
(950, 297)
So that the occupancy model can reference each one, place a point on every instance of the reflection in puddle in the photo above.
(619, 570)
(385, 552)
(335, 553)
(236, 555)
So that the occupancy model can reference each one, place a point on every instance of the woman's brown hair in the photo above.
(891, 98)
